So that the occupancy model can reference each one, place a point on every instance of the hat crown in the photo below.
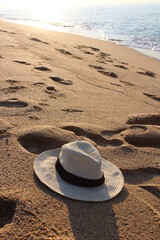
(81, 159)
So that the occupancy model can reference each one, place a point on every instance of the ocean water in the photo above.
(136, 26)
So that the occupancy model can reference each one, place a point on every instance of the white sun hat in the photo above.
(77, 171)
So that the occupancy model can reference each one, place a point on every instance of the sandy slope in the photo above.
(56, 88)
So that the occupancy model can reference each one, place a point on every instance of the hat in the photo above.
(77, 171)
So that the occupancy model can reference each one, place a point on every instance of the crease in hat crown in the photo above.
(81, 159)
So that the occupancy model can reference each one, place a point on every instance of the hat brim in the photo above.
(44, 167)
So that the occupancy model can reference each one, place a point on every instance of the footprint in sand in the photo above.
(104, 55)
(85, 49)
(105, 61)
(61, 81)
(7, 212)
(42, 68)
(51, 91)
(7, 32)
(38, 84)
(142, 135)
(140, 175)
(39, 139)
(147, 119)
(152, 96)
(139, 135)
(38, 40)
(115, 84)
(121, 66)
(100, 61)
(109, 74)
(77, 57)
(110, 133)
(13, 103)
(155, 190)
(22, 62)
(1, 57)
(71, 110)
(124, 63)
(148, 73)
(12, 89)
(97, 67)
(33, 117)
(64, 51)
(4, 127)
(12, 82)
(127, 83)
(95, 137)
(109, 60)
(140, 138)
(35, 109)
(88, 52)
(51, 88)
(88, 47)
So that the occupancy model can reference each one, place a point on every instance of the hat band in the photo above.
(75, 180)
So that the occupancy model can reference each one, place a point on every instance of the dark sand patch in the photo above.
(109, 60)
(61, 81)
(148, 119)
(77, 57)
(35, 109)
(22, 62)
(64, 52)
(97, 67)
(33, 118)
(42, 68)
(71, 110)
(13, 104)
(51, 91)
(38, 40)
(51, 88)
(121, 66)
(88, 47)
(148, 73)
(12, 82)
(12, 89)
(38, 83)
(115, 84)
(7, 32)
(7, 211)
(88, 52)
(124, 63)
(1, 56)
(127, 83)
(154, 97)
(104, 55)
(109, 74)
(100, 61)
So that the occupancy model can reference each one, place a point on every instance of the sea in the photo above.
(135, 26)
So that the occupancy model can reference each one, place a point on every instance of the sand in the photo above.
(56, 88)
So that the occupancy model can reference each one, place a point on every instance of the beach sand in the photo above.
(56, 88)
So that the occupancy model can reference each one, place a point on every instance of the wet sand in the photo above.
(56, 88)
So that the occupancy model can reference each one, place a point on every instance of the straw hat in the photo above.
(77, 171)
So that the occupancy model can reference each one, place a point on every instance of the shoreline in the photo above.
(49, 27)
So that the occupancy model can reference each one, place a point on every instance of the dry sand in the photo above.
(56, 88)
